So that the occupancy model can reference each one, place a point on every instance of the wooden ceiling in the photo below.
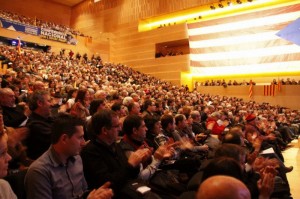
(70, 3)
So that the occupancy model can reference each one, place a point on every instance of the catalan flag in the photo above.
(269, 90)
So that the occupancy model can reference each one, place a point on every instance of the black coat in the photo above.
(102, 163)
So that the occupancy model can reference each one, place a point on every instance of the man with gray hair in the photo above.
(100, 94)
(13, 115)
(39, 124)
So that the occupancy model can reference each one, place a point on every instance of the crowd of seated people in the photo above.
(223, 83)
(38, 22)
(288, 81)
(171, 52)
(147, 137)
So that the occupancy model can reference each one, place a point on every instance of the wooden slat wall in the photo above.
(127, 45)
(119, 12)
(138, 51)
(289, 96)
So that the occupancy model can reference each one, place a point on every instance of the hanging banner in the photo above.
(33, 30)
(16, 26)
(58, 36)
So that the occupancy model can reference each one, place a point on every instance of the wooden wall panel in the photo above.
(175, 63)
(120, 12)
(142, 58)
(175, 67)
(288, 96)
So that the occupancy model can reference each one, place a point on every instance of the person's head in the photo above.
(40, 103)
(127, 100)
(234, 136)
(67, 134)
(15, 89)
(82, 96)
(149, 106)
(7, 97)
(135, 97)
(72, 93)
(223, 166)
(134, 108)
(135, 128)
(180, 121)
(96, 105)
(168, 123)
(100, 94)
(106, 126)
(196, 116)
(224, 187)
(233, 151)
(170, 102)
(38, 85)
(119, 108)
(153, 124)
(4, 156)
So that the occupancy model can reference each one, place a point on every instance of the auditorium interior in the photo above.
(198, 44)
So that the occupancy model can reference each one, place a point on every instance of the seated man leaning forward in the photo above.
(58, 173)
(104, 160)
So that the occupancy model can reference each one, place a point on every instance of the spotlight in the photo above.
(212, 7)
(238, 1)
(220, 5)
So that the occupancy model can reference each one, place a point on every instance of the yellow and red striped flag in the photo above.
(269, 90)
(251, 89)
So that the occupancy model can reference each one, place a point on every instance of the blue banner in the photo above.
(15, 26)
(33, 30)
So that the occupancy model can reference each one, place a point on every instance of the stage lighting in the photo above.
(220, 5)
(212, 7)
(239, 1)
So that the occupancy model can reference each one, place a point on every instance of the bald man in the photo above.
(224, 187)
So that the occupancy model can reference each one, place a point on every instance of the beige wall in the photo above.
(288, 96)
(127, 45)
(138, 51)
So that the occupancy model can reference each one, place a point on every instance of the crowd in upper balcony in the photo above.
(148, 131)
(38, 22)
(287, 81)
